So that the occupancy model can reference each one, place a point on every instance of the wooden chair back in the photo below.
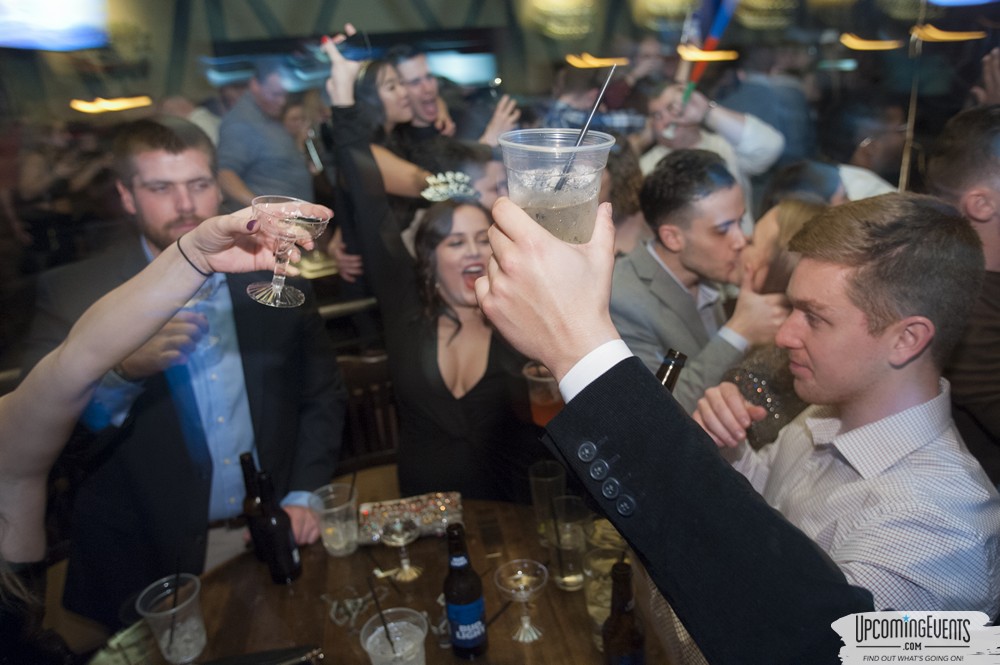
(371, 434)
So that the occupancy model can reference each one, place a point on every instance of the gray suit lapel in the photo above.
(670, 293)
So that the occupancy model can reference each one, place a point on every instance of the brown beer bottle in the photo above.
(622, 636)
(463, 595)
(671, 368)
(252, 512)
(280, 551)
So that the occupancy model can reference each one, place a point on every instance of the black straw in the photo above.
(381, 615)
(583, 131)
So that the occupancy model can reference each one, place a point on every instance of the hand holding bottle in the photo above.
(726, 415)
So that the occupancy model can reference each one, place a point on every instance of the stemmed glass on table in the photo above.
(521, 580)
(291, 221)
(400, 532)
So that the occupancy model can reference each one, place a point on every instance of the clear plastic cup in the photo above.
(554, 180)
(172, 609)
(336, 509)
(407, 630)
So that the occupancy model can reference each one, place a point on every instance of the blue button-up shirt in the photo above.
(216, 371)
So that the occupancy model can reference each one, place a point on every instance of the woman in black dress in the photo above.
(465, 424)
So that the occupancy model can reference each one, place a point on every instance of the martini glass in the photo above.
(291, 221)
(521, 580)
(400, 532)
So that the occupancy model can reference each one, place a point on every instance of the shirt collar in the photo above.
(707, 294)
(873, 448)
(207, 290)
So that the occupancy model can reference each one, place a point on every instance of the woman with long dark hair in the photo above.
(465, 424)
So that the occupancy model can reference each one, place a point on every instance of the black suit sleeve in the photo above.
(748, 585)
(322, 406)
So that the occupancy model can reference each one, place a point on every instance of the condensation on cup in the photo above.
(554, 180)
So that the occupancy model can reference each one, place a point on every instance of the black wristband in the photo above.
(190, 262)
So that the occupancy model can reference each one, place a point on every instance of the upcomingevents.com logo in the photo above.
(921, 637)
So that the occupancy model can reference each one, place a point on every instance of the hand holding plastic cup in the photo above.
(554, 180)
(172, 610)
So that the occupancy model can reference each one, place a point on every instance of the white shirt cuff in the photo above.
(734, 338)
(591, 366)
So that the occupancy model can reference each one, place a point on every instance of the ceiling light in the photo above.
(101, 105)
(853, 42)
(929, 33)
(695, 54)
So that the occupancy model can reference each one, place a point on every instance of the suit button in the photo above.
(611, 488)
(587, 451)
(599, 470)
(625, 505)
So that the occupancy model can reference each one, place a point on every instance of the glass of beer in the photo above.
(543, 393)
(554, 180)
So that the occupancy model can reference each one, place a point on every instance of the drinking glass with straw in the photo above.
(555, 174)
(172, 610)
(395, 635)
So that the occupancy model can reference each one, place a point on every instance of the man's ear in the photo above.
(980, 204)
(128, 198)
(911, 337)
(671, 236)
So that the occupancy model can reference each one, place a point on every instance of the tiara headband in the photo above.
(449, 185)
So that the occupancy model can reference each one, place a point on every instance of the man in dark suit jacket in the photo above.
(748, 586)
(166, 427)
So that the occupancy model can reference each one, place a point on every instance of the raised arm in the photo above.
(37, 417)
(748, 586)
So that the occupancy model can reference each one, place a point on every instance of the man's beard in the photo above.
(167, 235)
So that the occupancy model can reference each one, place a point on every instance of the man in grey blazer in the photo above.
(665, 293)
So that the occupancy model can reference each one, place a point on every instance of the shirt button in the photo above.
(214, 377)
(611, 488)
(599, 470)
(232, 500)
(220, 420)
(587, 451)
(226, 461)
(625, 505)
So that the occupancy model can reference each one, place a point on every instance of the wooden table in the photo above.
(245, 612)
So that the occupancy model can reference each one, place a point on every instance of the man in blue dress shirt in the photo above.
(163, 434)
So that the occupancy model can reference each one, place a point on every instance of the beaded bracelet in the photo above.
(190, 262)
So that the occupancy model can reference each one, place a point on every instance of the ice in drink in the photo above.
(407, 640)
(555, 180)
(340, 538)
(407, 630)
(187, 643)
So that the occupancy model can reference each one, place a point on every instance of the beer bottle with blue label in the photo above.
(463, 595)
